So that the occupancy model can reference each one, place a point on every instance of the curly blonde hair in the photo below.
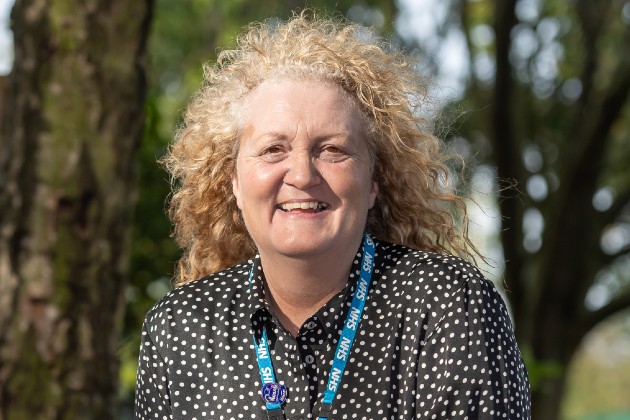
(415, 206)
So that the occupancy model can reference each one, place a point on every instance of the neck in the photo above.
(297, 288)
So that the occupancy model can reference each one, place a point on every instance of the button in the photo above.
(309, 359)
(273, 393)
(311, 325)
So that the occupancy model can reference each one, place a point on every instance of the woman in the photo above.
(313, 207)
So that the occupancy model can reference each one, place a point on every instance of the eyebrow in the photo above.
(279, 135)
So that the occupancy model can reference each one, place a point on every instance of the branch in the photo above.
(595, 114)
(591, 17)
(609, 259)
(464, 18)
(621, 201)
(598, 115)
(618, 304)
(611, 106)
(612, 215)
(582, 174)
(3, 84)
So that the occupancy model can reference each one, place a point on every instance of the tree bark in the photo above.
(70, 127)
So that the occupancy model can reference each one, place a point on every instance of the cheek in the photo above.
(255, 183)
(356, 189)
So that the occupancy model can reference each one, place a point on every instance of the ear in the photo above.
(373, 193)
(236, 190)
(377, 170)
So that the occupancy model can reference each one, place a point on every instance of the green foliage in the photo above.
(540, 370)
(599, 376)
(625, 415)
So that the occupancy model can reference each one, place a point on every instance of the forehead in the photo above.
(285, 102)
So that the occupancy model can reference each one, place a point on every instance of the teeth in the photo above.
(305, 205)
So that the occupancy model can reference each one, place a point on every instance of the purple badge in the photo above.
(273, 393)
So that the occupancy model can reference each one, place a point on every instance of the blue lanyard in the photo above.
(273, 393)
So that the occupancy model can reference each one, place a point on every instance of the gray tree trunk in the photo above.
(71, 122)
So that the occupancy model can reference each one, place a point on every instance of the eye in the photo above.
(332, 153)
(272, 150)
(332, 149)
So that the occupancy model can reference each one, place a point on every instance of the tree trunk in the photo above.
(548, 400)
(71, 124)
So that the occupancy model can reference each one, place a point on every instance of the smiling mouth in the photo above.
(303, 207)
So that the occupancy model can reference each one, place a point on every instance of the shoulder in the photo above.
(437, 285)
(457, 318)
(215, 290)
(435, 271)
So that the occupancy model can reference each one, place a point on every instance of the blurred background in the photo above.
(533, 94)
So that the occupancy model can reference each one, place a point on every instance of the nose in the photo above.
(301, 171)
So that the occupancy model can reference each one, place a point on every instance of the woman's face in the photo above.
(303, 176)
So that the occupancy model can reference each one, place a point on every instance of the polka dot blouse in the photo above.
(435, 342)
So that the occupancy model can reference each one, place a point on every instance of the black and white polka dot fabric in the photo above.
(435, 342)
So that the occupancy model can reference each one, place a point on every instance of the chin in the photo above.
(304, 247)
(303, 250)
(308, 245)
